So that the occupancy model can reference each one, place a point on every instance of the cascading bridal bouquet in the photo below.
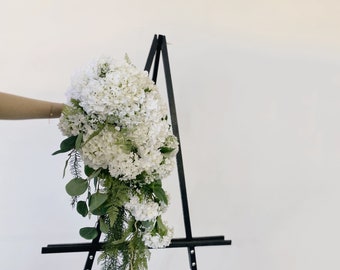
(117, 131)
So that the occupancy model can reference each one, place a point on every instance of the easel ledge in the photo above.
(175, 243)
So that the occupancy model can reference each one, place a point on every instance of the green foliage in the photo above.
(118, 191)
(76, 187)
(139, 254)
(166, 150)
(66, 163)
(160, 227)
(147, 224)
(74, 161)
(75, 103)
(82, 208)
(66, 145)
(96, 200)
(124, 248)
(115, 255)
(103, 225)
(159, 192)
(112, 213)
(88, 170)
(71, 143)
(128, 146)
(78, 141)
(93, 174)
(95, 133)
(88, 233)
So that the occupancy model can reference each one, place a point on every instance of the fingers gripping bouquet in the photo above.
(117, 130)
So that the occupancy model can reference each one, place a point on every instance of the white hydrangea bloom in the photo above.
(125, 166)
(97, 151)
(143, 210)
(73, 124)
(154, 240)
(126, 102)
(117, 94)
(119, 89)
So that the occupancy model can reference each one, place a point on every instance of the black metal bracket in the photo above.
(158, 49)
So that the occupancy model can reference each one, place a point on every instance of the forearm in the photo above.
(14, 107)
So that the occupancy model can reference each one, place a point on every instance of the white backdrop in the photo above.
(257, 91)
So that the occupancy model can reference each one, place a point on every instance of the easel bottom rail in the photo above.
(175, 243)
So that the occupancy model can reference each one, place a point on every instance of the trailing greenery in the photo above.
(124, 248)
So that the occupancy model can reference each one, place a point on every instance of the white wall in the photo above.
(257, 89)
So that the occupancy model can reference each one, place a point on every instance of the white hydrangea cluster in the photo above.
(155, 240)
(148, 210)
(108, 88)
(74, 121)
(143, 210)
(127, 102)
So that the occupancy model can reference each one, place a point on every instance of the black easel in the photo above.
(158, 48)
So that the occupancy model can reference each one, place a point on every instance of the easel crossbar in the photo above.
(175, 243)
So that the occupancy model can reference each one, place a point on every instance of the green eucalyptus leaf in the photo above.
(159, 192)
(66, 145)
(161, 195)
(100, 211)
(66, 163)
(94, 174)
(103, 226)
(97, 199)
(76, 186)
(88, 233)
(82, 208)
(88, 170)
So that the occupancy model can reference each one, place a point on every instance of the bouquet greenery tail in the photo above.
(120, 147)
